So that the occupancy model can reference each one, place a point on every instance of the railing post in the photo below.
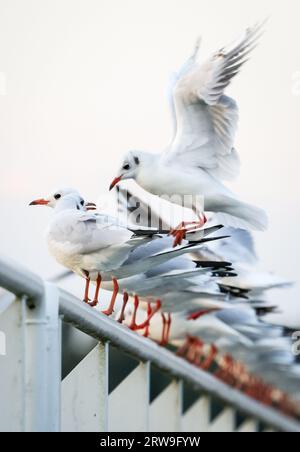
(41, 363)
(85, 393)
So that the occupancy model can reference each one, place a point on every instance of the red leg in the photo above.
(180, 232)
(96, 296)
(147, 321)
(164, 324)
(183, 226)
(195, 351)
(182, 350)
(133, 325)
(125, 301)
(87, 287)
(110, 308)
(220, 372)
(149, 312)
(228, 370)
(168, 329)
(198, 354)
(179, 237)
(210, 358)
(243, 377)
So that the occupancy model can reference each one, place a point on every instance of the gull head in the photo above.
(62, 197)
(130, 168)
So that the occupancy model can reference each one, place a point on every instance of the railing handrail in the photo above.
(21, 281)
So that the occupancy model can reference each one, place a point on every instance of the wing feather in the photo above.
(206, 120)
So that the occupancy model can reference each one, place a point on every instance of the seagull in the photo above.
(99, 248)
(241, 253)
(174, 286)
(248, 281)
(191, 170)
(202, 323)
(259, 355)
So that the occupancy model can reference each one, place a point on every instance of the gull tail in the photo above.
(238, 214)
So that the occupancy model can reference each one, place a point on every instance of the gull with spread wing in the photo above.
(191, 171)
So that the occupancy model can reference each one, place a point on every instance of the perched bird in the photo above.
(201, 155)
(99, 248)
(177, 285)
(255, 357)
(240, 251)
(202, 324)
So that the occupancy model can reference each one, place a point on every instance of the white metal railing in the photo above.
(34, 398)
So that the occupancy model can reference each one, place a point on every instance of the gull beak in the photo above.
(115, 182)
(39, 202)
(91, 206)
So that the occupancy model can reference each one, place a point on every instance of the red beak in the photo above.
(39, 202)
(115, 182)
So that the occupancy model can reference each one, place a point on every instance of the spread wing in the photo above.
(206, 120)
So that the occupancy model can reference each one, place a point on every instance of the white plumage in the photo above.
(201, 154)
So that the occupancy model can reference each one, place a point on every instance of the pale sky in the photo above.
(81, 82)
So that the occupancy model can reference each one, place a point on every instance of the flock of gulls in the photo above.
(194, 286)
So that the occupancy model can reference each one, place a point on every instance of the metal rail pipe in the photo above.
(101, 327)
(20, 281)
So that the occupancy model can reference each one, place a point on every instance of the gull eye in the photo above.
(57, 196)
(82, 203)
(126, 167)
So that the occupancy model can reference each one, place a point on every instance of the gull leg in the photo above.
(179, 236)
(210, 358)
(243, 376)
(168, 328)
(198, 353)
(229, 370)
(110, 308)
(182, 226)
(183, 349)
(125, 301)
(163, 334)
(87, 287)
(96, 296)
(149, 312)
(152, 313)
(133, 325)
(195, 351)
(181, 230)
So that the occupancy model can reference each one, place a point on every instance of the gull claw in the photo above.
(86, 300)
(179, 236)
(93, 303)
(108, 312)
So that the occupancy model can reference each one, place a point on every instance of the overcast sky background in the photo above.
(83, 81)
